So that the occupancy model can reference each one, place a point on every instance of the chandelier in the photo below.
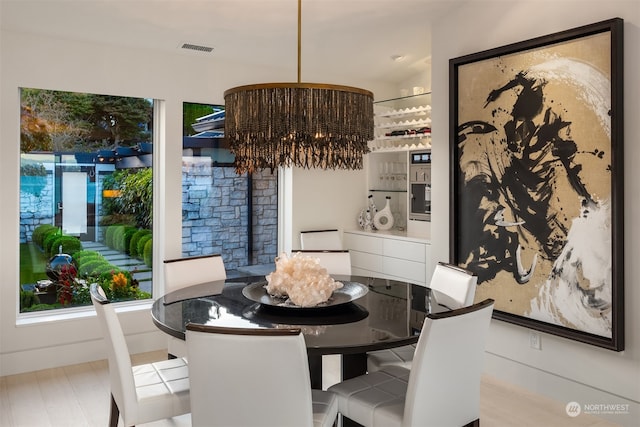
(310, 125)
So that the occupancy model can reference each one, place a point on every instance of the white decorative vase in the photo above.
(368, 224)
(373, 210)
(383, 220)
(372, 205)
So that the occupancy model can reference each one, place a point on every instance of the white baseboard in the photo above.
(70, 354)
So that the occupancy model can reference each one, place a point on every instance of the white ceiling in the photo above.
(358, 36)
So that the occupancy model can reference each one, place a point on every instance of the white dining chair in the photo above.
(442, 388)
(142, 393)
(335, 261)
(253, 378)
(455, 286)
(320, 240)
(189, 271)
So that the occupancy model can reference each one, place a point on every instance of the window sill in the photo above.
(67, 314)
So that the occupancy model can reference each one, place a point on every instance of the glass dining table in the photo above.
(370, 314)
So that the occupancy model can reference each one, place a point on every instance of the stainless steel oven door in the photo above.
(420, 200)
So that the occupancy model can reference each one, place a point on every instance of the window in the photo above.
(86, 196)
(222, 212)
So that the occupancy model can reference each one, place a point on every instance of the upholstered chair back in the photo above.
(444, 384)
(457, 284)
(249, 377)
(336, 262)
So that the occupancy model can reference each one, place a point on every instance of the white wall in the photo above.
(326, 199)
(563, 369)
(31, 61)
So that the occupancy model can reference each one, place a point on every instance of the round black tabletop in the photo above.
(390, 314)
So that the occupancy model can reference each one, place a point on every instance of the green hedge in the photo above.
(133, 243)
(92, 263)
(111, 233)
(126, 238)
(40, 232)
(118, 238)
(141, 243)
(49, 238)
(109, 268)
(148, 253)
(93, 267)
(70, 245)
(122, 237)
(86, 255)
(128, 234)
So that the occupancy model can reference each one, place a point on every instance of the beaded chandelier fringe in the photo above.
(298, 124)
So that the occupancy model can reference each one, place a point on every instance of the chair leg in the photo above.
(115, 413)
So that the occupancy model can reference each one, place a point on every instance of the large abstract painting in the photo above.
(537, 200)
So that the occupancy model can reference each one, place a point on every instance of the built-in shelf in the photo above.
(420, 144)
(404, 124)
(416, 110)
(421, 110)
(375, 190)
(408, 136)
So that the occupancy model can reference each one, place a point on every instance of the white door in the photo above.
(74, 203)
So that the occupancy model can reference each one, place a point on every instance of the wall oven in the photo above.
(420, 185)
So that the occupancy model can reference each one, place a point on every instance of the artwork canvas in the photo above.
(536, 163)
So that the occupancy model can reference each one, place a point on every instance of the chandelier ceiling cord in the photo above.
(310, 125)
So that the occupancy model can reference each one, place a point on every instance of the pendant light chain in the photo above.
(309, 125)
(299, 41)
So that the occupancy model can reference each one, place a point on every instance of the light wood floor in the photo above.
(78, 395)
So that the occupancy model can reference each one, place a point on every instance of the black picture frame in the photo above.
(536, 163)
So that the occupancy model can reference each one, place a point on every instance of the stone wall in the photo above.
(215, 214)
(36, 204)
(265, 217)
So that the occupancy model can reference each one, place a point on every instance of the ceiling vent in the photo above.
(195, 47)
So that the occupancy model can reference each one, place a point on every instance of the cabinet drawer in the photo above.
(366, 273)
(366, 261)
(357, 242)
(405, 250)
(410, 270)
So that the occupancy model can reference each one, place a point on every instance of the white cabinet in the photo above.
(389, 256)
